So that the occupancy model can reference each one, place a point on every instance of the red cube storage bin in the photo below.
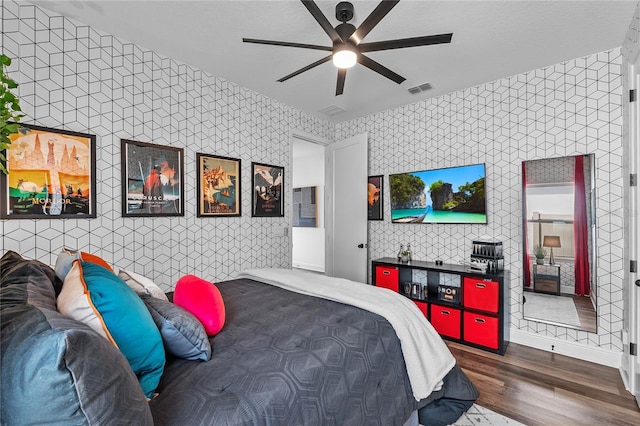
(481, 330)
(481, 294)
(446, 321)
(387, 277)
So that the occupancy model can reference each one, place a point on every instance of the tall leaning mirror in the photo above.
(559, 242)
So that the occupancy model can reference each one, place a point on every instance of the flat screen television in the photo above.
(449, 195)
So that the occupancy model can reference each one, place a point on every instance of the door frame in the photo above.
(630, 365)
(308, 137)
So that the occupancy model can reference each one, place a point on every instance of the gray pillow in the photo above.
(39, 281)
(56, 370)
(182, 333)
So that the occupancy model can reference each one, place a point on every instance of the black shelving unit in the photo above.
(474, 312)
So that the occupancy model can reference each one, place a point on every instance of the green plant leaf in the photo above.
(10, 111)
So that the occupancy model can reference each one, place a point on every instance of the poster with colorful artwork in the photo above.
(218, 186)
(267, 184)
(152, 179)
(374, 198)
(50, 174)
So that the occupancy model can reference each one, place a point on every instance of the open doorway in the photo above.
(308, 194)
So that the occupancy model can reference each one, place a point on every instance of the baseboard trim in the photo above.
(308, 266)
(563, 347)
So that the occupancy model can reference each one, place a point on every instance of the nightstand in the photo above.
(546, 279)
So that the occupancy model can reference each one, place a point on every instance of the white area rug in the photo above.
(480, 416)
(546, 307)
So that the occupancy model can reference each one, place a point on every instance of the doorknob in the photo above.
(638, 283)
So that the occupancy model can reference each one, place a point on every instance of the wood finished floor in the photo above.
(537, 387)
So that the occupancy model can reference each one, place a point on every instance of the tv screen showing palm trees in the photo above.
(451, 195)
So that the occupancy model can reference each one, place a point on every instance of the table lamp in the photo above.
(551, 241)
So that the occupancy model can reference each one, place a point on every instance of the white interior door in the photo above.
(346, 214)
(346, 218)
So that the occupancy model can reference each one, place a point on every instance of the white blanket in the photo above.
(427, 357)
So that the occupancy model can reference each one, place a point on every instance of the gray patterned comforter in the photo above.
(285, 358)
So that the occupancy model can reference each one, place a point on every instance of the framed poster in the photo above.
(305, 207)
(268, 196)
(51, 174)
(218, 186)
(374, 198)
(152, 179)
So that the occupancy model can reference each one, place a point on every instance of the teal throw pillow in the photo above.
(96, 296)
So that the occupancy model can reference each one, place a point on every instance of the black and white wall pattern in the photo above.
(571, 108)
(73, 77)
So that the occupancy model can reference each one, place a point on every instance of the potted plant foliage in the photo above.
(540, 253)
(404, 255)
(10, 112)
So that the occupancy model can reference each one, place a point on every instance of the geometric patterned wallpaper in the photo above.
(554, 170)
(570, 108)
(75, 78)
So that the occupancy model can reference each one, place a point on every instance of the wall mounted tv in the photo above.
(451, 195)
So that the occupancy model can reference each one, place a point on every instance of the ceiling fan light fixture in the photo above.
(347, 49)
(344, 58)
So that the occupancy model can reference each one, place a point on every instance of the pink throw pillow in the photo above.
(203, 300)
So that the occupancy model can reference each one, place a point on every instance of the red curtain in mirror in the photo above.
(581, 232)
(527, 259)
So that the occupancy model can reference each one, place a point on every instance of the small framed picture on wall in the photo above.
(152, 179)
(374, 197)
(268, 195)
(51, 174)
(304, 206)
(218, 185)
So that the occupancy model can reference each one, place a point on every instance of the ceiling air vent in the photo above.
(421, 88)
(332, 110)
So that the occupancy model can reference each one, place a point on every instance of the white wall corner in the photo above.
(575, 350)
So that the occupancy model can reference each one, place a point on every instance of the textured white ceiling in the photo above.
(491, 40)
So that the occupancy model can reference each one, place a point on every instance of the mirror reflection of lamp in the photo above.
(551, 241)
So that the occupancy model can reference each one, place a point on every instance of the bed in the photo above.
(289, 358)
(295, 349)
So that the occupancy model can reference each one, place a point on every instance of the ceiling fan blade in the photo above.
(372, 20)
(322, 20)
(342, 74)
(307, 68)
(287, 44)
(380, 69)
(405, 42)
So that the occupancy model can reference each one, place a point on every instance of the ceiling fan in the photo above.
(348, 49)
